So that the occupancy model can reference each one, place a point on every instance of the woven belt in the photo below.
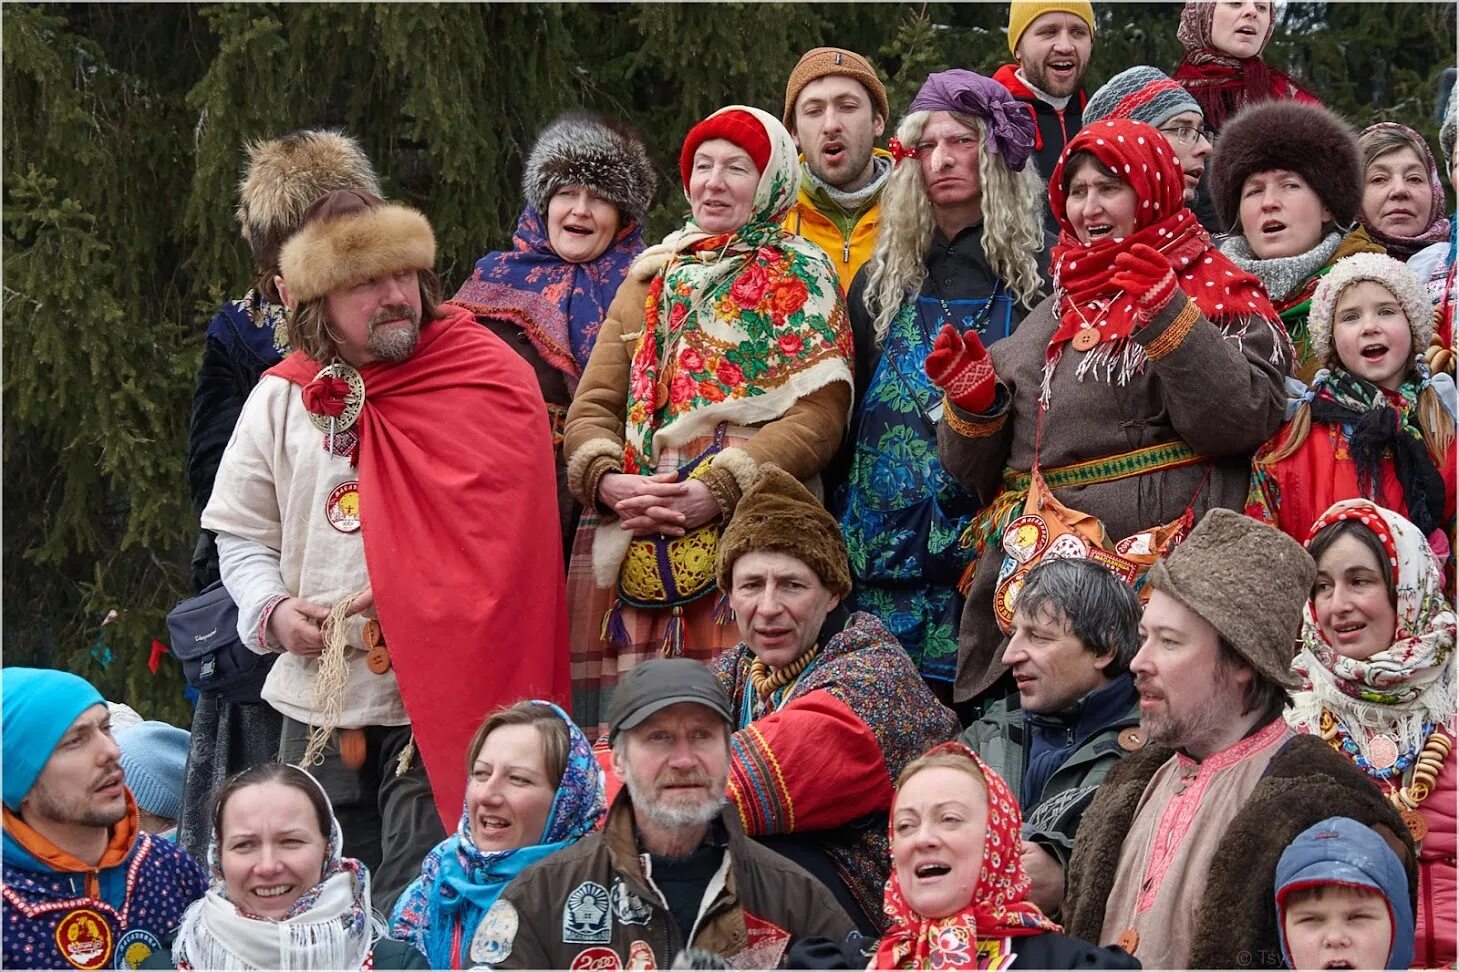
(1137, 462)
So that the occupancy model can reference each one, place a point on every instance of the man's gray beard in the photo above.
(393, 343)
(673, 818)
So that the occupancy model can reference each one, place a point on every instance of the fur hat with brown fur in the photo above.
(1306, 139)
(778, 514)
(583, 149)
(285, 176)
(349, 237)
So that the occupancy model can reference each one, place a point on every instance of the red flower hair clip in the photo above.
(899, 151)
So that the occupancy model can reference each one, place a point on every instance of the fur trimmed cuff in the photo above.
(587, 466)
(725, 488)
(742, 467)
(329, 254)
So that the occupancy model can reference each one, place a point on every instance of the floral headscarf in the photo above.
(737, 326)
(559, 305)
(1437, 231)
(459, 883)
(1410, 682)
(1142, 158)
(329, 927)
(1000, 906)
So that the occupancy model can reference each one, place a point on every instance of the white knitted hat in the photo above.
(1381, 269)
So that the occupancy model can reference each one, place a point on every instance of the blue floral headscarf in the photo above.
(458, 882)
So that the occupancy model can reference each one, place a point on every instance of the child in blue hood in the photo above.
(1343, 900)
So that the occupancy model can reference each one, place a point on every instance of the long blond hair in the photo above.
(1013, 206)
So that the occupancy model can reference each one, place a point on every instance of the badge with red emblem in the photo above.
(84, 939)
(343, 507)
(596, 960)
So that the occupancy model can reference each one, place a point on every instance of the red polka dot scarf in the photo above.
(1141, 157)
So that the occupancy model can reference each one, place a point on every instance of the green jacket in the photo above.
(1052, 817)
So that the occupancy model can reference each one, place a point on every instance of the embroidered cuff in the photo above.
(976, 426)
(1160, 339)
(722, 484)
(263, 619)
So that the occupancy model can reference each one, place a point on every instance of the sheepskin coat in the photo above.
(1305, 782)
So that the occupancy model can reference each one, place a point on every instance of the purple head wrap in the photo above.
(1010, 125)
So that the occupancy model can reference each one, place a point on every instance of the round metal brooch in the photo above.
(354, 400)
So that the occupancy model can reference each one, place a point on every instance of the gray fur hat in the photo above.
(1249, 581)
(583, 149)
(1306, 139)
(1381, 269)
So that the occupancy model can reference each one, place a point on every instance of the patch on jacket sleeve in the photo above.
(628, 907)
(595, 960)
(765, 947)
(586, 919)
(492, 942)
(135, 947)
(84, 939)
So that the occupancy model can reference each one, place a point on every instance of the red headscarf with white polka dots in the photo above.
(1141, 157)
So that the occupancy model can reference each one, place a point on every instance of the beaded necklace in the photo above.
(1384, 760)
(1427, 761)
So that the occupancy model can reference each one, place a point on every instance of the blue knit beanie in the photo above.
(154, 755)
(37, 706)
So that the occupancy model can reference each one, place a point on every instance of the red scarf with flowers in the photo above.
(1143, 159)
(1000, 907)
(456, 495)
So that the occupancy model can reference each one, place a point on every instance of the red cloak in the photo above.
(458, 510)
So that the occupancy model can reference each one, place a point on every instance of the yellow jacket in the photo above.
(805, 220)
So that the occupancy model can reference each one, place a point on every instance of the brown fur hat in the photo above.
(1306, 139)
(348, 237)
(779, 514)
(583, 149)
(285, 176)
(1249, 581)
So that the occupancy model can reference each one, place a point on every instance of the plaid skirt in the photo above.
(598, 664)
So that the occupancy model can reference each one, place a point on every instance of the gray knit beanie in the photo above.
(1249, 581)
(1141, 93)
(1382, 269)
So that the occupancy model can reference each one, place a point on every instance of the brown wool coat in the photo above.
(801, 441)
(1305, 783)
(1223, 396)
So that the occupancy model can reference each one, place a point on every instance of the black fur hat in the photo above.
(1306, 139)
(583, 149)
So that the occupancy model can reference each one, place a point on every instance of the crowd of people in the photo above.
(1026, 545)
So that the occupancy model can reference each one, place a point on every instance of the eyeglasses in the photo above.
(1186, 134)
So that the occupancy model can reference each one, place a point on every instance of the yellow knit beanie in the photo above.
(1022, 13)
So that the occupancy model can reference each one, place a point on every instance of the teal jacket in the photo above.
(1051, 818)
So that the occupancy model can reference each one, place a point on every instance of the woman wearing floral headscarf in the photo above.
(1378, 661)
(282, 895)
(726, 347)
(1091, 431)
(958, 894)
(1222, 67)
(533, 788)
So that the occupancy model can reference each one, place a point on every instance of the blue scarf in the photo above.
(459, 883)
(559, 305)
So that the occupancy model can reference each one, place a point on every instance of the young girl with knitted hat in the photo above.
(1374, 423)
